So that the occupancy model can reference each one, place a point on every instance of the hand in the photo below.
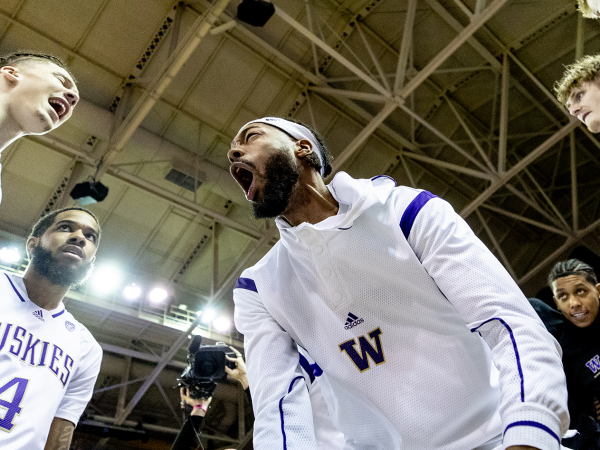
(186, 399)
(239, 373)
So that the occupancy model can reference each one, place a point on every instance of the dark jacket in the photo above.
(581, 361)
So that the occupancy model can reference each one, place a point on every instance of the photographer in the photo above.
(188, 437)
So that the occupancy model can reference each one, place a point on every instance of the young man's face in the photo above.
(65, 253)
(577, 299)
(42, 95)
(263, 162)
(584, 103)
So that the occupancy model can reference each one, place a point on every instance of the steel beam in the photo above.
(526, 220)
(364, 134)
(574, 196)
(405, 46)
(120, 418)
(164, 78)
(500, 180)
(328, 49)
(503, 131)
(476, 22)
(496, 245)
(572, 240)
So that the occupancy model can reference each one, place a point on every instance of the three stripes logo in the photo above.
(39, 314)
(352, 321)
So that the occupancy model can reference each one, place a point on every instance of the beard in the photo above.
(281, 176)
(50, 267)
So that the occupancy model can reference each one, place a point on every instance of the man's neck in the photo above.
(311, 201)
(42, 292)
(9, 131)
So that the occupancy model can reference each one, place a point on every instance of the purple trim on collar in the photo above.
(14, 288)
(58, 314)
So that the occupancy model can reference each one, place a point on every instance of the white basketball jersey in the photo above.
(49, 363)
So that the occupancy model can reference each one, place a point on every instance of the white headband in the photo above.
(295, 130)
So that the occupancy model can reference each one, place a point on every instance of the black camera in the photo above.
(206, 367)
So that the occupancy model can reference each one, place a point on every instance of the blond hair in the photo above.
(581, 71)
(585, 9)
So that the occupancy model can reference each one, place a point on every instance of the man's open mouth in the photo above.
(245, 178)
(60, 106)
(73, 249)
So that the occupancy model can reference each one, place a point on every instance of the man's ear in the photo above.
(598, 289)
(11, 74)
(304, 148)
(31, 244)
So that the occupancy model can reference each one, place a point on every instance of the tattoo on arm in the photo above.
(61, 432)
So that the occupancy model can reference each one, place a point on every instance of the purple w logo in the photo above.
(366, 350)
(593, 364)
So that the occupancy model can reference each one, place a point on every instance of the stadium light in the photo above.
(222, 324)
(106, 278)
(10, 255)
(132, 291)
(158, 295)
(208, 316)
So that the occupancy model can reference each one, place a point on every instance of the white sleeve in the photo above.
(280, 399)
(532, 381)
(81, 387)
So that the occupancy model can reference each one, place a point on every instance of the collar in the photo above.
(354, 197)
(20, 290)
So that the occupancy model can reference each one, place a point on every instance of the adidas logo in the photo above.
(352, 321)
(39, 314)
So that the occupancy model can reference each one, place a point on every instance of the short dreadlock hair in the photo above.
(572, 267)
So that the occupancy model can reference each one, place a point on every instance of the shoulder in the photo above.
(89, 345)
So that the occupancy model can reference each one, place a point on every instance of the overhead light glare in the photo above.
(208, 316)
(132, 291)
(106, 278)
(10, 255)
(158, 295)
(222, 324)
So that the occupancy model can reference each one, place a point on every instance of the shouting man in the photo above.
(37, 94)
(396, 300)
(49, 362)
(579, 91)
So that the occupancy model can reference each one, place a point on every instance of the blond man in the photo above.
(579, 91)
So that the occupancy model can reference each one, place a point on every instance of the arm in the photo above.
(61, 433)
(188, 439)
(281, 403)
(533, 403)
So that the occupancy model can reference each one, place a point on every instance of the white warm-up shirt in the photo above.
(403, 308)
(49, 363)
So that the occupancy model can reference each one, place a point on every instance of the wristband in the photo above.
(200, 407)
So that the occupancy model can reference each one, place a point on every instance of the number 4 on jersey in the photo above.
(13, 407)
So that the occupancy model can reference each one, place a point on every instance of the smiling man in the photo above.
(576, 294)
(37, 94)
(49, 362)
(396, 300)
(579, 91)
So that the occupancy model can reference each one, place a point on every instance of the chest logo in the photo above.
(352, 321)
(593, 364)
(39, 314)
(361, 360)
(69, 325)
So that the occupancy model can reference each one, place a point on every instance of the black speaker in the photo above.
(255, 12)
(89, 192)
